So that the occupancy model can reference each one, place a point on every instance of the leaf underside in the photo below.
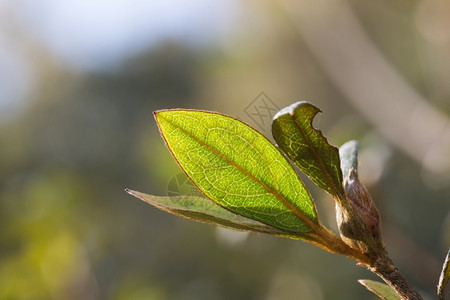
(204, 210)
(237, 168)
(307, 147)
(380, 289)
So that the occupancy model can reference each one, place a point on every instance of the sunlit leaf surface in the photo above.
(238, 168)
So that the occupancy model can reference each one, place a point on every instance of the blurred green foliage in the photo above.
(69, 231)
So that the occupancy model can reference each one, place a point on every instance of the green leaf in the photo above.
(238, 168)
(349, 157)
(204, 210)
(445, 277)
(307, 147)
(380, 289)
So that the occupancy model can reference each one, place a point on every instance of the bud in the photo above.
(362, 203)
(359, 221)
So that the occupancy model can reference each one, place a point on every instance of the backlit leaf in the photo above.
(307, 147)
(238, 168)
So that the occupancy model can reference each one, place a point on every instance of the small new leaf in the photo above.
(380, 289)
(306, 146)
(348, 154)
(238, 168)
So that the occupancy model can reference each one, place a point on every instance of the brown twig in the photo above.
(385, 269)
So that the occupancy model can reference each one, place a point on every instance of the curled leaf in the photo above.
(306, 146)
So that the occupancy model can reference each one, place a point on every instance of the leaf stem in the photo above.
(329, 241)
(377, 262)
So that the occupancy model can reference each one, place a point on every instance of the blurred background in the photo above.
(79, 81)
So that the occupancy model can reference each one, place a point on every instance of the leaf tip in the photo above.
(362, 281)
(156, 113)
(131, 192)
(291, 108)
(160, 112)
